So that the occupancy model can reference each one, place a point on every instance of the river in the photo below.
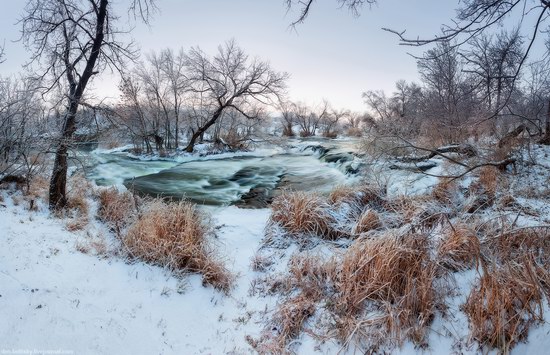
(243, 178)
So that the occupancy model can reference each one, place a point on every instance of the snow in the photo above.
(57, 299)
(54, 297)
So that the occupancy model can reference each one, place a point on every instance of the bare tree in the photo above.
(474, 19)
(132, 115)
(448, 93)
(288, 118)
(173, 68)
(229, 80)
(309, 119)
(156, 93)
(306, 5)
(20, 115)
(73, 40)
(494, 62)
(379, 104)
(331, 121)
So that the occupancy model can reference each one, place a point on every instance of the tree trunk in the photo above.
(58, 181)
(546, 139)
(177, 132)
(200, 132)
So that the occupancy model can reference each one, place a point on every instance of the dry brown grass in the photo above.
(367, 221)
(312, 275)
(509, 296)
(489, 177)
(444, 191)
(79, 204)
(505, 303)
(459, 249)
(397, 275)
(176, 236)
(116, 209)
(407, 207)
(94, 245)
(38, 188)
(379, 291)
(359, 196)
(290, 318)
(76, 224)
(513, 245)
(508, 201)
(302, 214)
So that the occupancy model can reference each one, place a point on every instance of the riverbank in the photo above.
(59, 292)
(74, 290)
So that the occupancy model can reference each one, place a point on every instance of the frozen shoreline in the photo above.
(53, 296)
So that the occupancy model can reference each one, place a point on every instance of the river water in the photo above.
(232, 178)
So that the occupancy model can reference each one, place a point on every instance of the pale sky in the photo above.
(333, 55)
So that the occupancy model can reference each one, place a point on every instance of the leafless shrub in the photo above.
(175, 236)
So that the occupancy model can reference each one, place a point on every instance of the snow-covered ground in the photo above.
(56, 298)
(53, 297)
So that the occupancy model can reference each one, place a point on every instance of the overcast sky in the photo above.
(333, 55)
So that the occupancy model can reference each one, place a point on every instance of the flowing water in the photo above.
(307, 165)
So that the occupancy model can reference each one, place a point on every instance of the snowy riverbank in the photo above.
(67, 292)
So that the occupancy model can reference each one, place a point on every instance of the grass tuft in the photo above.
(459, 249)
(366, 222)
(303, 215)
(175, 236)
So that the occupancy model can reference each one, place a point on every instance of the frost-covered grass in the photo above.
(384, 293)
(462, 268)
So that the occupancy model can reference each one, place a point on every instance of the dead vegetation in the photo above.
(459, 249)
(117, 209)
(367, 221)
(396, 275)
(303, 215)
(394, 278)
(507, 300)
(175, 236)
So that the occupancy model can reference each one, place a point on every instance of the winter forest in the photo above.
(371, 184)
